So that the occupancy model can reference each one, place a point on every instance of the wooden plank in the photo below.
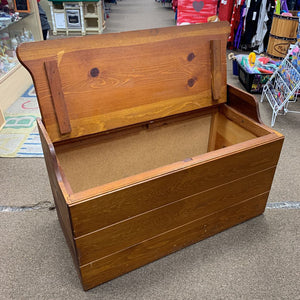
(57, 96)
(114, 265)
(229, 133)
(136, 86)
(26, 54)
(216, 68)
(243, 102)
(213, 132)
(144, 226)
(58, 190)
(134, 128)
(245, 122)
(160, 187)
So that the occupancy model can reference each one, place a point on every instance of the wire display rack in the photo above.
(283, 86)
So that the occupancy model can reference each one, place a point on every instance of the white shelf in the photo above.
(91, 16)
(92, 29)
(87, 10)
(283, 86)
(17, 80)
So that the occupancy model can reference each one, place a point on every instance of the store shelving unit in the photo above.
(77, 17)
(94, 17)
(284, 85)
(16, 80)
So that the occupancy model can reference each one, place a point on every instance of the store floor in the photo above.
(258, 259)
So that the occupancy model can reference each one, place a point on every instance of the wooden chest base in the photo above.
(147, 150)
(210, 170)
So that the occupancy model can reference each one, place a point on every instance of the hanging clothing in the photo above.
(225, 10)
(284, 6)
(278, 6)
(251, 21)
(291, 4)
(270, 13)
(258, 38)
(239, 31)
(235, 20)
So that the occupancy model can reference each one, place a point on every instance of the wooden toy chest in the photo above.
(147, 148)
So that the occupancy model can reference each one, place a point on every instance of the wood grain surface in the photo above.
(144, 226)
(243, 102)
(57, 96)
(114, 80)
(216, 68)
(137, 255)
(143, 154)
(206, 172)
(59, 191)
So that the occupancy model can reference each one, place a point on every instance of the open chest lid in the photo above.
(92, 84)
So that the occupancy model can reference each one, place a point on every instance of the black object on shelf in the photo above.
(253, 83)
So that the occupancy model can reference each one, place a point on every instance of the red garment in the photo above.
(225, 10)
(235, 20)
(174, 4)
(197, 11)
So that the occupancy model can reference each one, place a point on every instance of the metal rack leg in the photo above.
(274, 115)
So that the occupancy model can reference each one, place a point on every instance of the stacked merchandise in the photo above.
(254, 71)
(8, 46)
(250, 20)
(7, 14)
(191, 12)
(9, 40)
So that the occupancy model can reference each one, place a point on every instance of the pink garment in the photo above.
(195, 11)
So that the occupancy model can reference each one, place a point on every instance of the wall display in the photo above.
(22, 6)
(18, 24)
(8, 45)
(77, 17)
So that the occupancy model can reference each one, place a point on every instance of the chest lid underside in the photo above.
(92, 84)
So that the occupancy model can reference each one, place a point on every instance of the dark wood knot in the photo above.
(94, 72)
(191, 82)
(191, 56)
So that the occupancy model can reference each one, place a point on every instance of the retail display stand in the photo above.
(284, 84)
(15, 80)
(83, 17)
(142, 164)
